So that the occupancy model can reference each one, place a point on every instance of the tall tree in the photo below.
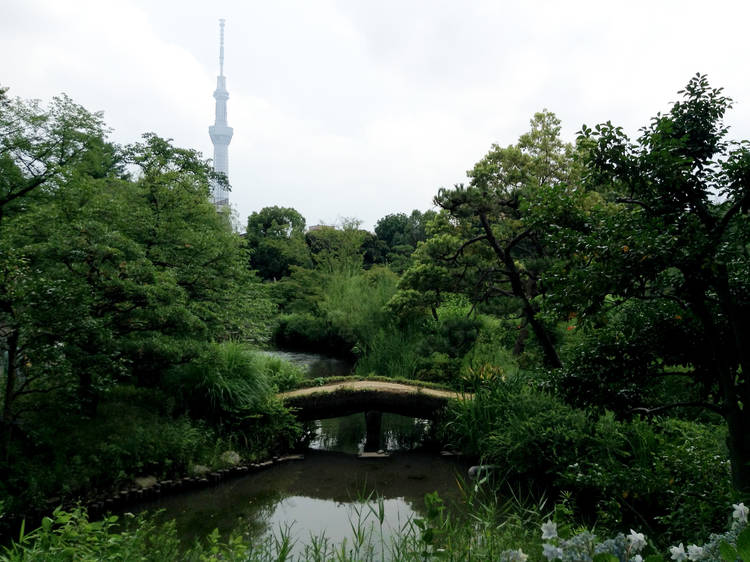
(483, 244)
(401, 233)
(276, 239)
(40, 146)
(671, 227)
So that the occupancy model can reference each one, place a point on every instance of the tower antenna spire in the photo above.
(220, 132)
(221, 46)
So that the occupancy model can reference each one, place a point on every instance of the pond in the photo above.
(313, 364)
(324, 493)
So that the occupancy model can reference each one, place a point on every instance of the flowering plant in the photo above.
(586, 547)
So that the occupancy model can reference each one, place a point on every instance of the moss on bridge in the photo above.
(351, 396)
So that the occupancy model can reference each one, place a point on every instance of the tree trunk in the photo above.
(737, 396)
(726, 359)
(738, 442)
(520, 344)
(551, 358)
(10, 387)
(86, 394)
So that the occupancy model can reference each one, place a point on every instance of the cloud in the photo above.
(361, 109)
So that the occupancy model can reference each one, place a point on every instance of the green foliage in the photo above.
(111, 276)
(337, 250)
(628, 361)
(71, 536)
(400, 234)
(394, 352)
(507, 531)
(483, 243)
(349, 314)
(282, 374)
(669, 225)
(530, 434)
(306, 332)
(354, 304)
(221, 385)
(742, 550)
(133, 432)
(673, 473)
(275, 237)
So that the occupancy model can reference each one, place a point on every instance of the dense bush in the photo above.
(224, 382)
(306, 332)
(621, 359)
(671, 472)
(133, 432)
(282, 374)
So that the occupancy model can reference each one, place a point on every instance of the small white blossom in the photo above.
(549, 530)
(740, 512)
(678, 553)
(637, 558)
(636, 541)
(695, 552)
(552, 552)
(517, 556)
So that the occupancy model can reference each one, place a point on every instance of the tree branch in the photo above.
(708, 406)
(630, 201)
(733, 210)
(518, 238)
(463, 246)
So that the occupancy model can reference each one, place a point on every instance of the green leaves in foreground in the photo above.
(742, 552)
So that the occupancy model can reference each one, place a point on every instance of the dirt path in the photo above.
(391, 387)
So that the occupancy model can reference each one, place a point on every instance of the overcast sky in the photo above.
(360, 109)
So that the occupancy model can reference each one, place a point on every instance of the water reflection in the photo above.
(323, 493)
(370, 431)
(315, 365)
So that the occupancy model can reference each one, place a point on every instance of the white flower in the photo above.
(549, 530)
(637, 558)
(678, 553)
(695, 552)
(552, 552)
(740, 512)
(636, 541)
(517, 556)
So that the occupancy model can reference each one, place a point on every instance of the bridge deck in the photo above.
(344, 398)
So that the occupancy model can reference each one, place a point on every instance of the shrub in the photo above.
(393, 352)
(282, 374)
(305, 332)
(224, 383)
(670, 472)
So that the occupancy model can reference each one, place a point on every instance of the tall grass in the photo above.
(354, 304)
(490, 528)
(392, 353)
(224, 382)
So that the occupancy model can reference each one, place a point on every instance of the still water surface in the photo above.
(314, 365)
(323, 493)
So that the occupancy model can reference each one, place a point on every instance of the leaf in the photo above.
(728, 553)
(605, 557)
(743, 544)
(654, 558)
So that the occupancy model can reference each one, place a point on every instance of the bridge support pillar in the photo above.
(374, 424)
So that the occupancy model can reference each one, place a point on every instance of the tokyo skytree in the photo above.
(221, 133)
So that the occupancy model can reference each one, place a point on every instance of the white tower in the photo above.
(221, 133)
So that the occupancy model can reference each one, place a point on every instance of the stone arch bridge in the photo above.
(350, 397)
